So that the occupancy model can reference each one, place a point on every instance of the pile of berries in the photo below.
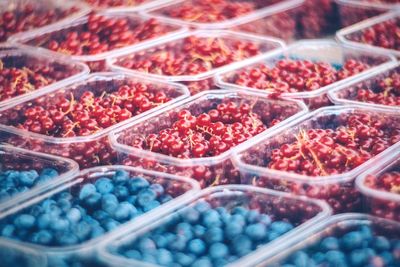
(115, 3)
(385, 34)
(384, 92)
(292, 76)
(27, 16)
(101, 34)
(85, 211)
(207, 134)
(21, 74)
(361, 246)
(206, 236)
(190, 56)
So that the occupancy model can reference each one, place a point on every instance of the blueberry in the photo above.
(93, 200)
(240, 210)
(232, 230)
(74, 215)
(253, 216)
(147, 257)
(184, 259)
(146, 244)
(121, 192)
(202, 206)
(8, 230)
(97, 231)
(300, 259)
(318, 257)
(352, 240)
(358, 258)
(381, 243)
(67, 239)
(164, 257)
(281, 227)
(242, 245)
(124, 211)
(211, 218)
(43, 237)
(121, 176)
(218, 250)
(82, 230)
(204, 262)
(178, 244)
(86, 191)
(28, 177)
(43, 221)
(329, 243)
(133, 254)
(49, 172)
(64, 204)
(151, 205)
(165, 198)
(161, 240)
(214, 234)
(335, 257)
(199, 230)
(132, 199)
(136, 184)
(111, 224)
(24, 221)
(158, 189)
(100, 215)
(256, 231)
(59, 224)
(190, 215)
(197, 246)
(104, 186)
(145, 196)
(238, 219)
(109, 203)
(184, 229)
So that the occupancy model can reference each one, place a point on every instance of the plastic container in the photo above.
(96, 62)
(277, 23)
(349, 94)
(337, 189)
(316, 51)
(174, 44)
(124, 5)
(353, 11)
(211, 170)
(179, 188)
(17, 159)
(351, 34)
(308, 212)
(65, 71)
(337, 225)
(378, 201)
(61, 12)
(89, 150)
(255, 9)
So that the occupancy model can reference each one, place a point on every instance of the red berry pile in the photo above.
(384, 92)
(69, 117)
(323, 152)
(28, 16)
(190, 56)
(292, 76)
(101, 34)
(20, 75)
(115, 3)
(385, 35)
(388, 181)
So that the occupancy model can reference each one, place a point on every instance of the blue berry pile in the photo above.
(13, 182)
(84, 212)
(204, 236)
(357, 248)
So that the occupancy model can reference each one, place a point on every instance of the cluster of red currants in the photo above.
(190, 56)
(28, 16)
(385, 35)
(207, 134)
(388, 181)
(384, 92)
(15, 81)
(115, 3)
(101, 34)
(292, 76)
(323, 152)
(69, 117)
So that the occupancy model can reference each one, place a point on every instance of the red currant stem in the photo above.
(64, 51)
(71, 105)
(395, 189)
(1, 65)
(304, 135)
(216, 180)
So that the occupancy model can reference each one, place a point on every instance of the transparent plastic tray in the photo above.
(337, 189)
(17, 159)
(97, 62)
(212, 170)
(119, 5)
(39, 7)
(90, 150)
(181, 189)
(315, 50)
(353, 11)
(345, 35)
(66, 71)
(266, 45)
(347, 94)
(378, 201)
(308, 212)
(261, 9)
(334, 226)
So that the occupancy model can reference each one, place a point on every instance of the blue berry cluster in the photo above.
(85, 212)
(13, 182)
(205, 236)
(357, 248)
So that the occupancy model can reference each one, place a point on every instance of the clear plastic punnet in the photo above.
(78, 117)
(204, 151)
(124, 5)
(226, 14)
(267, 205)
(143, 29)
(343, 62)
(380, 187)
(305, 246)
(355, 34)
(23, 171)
(72, 219)
(193, 58)
(353, 11)
(25, 15)
(321, 154)
(34, 73)
(380, 88)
